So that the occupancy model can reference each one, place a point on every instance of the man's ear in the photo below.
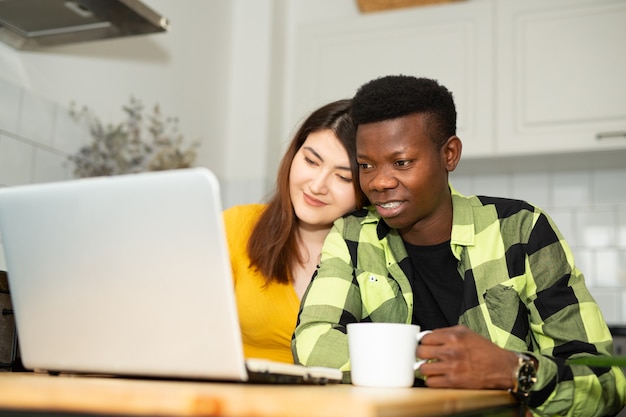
(451, 152)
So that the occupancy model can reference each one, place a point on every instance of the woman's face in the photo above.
(320, 181)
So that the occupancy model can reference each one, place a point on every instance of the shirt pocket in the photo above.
(508, 313)
(381, 298)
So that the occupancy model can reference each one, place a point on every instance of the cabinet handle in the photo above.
(607, 135)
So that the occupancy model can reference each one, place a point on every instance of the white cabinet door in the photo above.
(561, 75)
(451, 43)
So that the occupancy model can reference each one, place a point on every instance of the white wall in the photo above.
(250, 91)
(187, 71)
(224, 69)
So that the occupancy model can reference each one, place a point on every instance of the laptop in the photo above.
(129, 275)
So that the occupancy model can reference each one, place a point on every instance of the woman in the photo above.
(275, 247)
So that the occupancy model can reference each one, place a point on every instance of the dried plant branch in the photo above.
(140, 143)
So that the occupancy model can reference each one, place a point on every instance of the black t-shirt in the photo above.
(437, 285)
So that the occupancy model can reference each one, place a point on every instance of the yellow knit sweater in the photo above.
(267, 314)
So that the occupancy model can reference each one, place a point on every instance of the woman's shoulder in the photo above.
(243, 216)
(245, 210)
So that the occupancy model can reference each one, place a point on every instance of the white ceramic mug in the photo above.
(383, 354)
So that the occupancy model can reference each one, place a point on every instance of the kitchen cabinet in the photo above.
(452, 43)
(561, 76)
(529, 77)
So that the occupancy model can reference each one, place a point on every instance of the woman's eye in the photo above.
(344, 179)
(309, 161)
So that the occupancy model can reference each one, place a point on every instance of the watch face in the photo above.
(526, 377)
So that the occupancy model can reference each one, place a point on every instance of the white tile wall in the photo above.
(10, 103)
(69, 135)
(565, 219)
(608, 186)
(16, 161)
(495, 185)
(534, 186)
(606, 271)
(585, 261)
(596, 227)
(621, 226)
(50, 165)
(36, 137)
(610, 304)
(589, 208)
(573, 189)
(36, 119)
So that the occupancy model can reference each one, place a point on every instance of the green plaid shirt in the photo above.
(521, 290)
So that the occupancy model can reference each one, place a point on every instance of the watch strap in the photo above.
(524, 377)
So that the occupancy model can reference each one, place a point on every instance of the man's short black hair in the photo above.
(395, 96)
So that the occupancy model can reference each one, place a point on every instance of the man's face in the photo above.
(406, 177)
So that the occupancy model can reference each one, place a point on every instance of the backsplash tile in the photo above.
(565, 220)
(608, 186)
(493, 185)
(573, 189)
(37, 118)
(584, 260)
(535, 188)
(10, 101)
(621, 227)
(596, 227)
(606, 269)
(611, 304)
(69, 135)
(36, 137)
(621, 267)
(16, 161)
(50, 166)
(462, 184)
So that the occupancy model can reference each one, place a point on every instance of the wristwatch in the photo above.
(524, 376)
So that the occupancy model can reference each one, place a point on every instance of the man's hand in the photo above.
(461, 358)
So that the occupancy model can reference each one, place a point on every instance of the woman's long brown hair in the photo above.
(273, 243)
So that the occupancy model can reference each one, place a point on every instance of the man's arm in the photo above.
(358, 279)
(564, 321)
(329, 304)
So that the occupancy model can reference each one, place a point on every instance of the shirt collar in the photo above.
(463, 232)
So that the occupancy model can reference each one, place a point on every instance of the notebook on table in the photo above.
(129, 275)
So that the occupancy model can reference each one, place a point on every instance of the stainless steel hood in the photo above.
(32, 24)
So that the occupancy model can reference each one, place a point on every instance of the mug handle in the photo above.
(417, 364)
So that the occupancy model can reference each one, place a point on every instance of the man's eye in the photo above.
(364, 166)
(402, 163)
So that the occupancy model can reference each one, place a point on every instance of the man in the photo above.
(493, 277)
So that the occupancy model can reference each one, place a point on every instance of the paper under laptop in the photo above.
(129, 275)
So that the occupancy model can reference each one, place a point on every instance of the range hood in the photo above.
(32, 24)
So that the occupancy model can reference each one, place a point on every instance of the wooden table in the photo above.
(28, 392)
